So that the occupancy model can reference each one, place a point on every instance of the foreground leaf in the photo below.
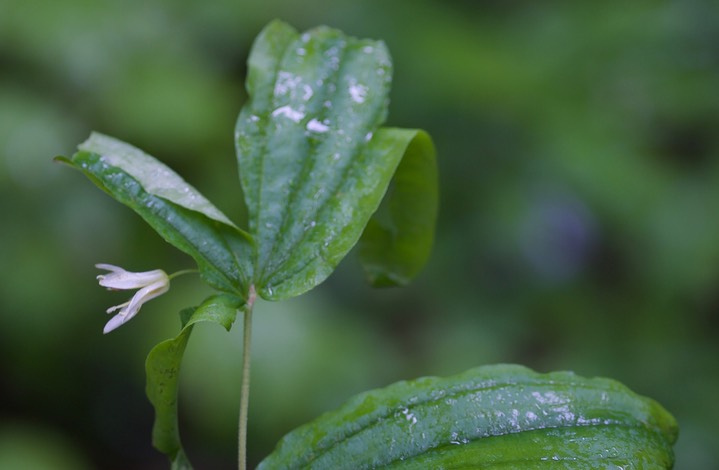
(163, 367)
(314, 164)
(502, 416)
(177, 211)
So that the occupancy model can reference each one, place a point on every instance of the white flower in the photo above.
(150, 284)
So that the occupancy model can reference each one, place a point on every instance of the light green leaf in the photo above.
(502, 416)
(163, 367)
(314, 164)
(174, 209)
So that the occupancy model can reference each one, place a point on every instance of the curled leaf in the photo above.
(162, 369)
(398, 239)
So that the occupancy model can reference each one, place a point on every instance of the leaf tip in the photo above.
(62, 160)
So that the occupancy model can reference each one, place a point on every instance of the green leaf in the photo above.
(398, 239)
(501, 416)
(314, 164)
(177, 211)
(163, 367)
(154, 176)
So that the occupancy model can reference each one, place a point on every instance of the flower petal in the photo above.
(109, 267)
(127, 280)
(150, 284)
(115, 322)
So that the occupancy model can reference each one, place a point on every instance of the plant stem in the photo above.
(182, 273)
(245, 390)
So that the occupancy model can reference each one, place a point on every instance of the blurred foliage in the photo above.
(578, 228)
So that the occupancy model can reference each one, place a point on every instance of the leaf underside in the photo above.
(502, 416)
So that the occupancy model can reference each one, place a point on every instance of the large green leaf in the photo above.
(162, 368)
(177, 211)
(502, 416)
(314, 164)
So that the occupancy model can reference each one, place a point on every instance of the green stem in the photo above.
(245, 390)
(182, 273)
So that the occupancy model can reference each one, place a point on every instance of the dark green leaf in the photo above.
(398, 239)
(179, 213)
(503, 416)
(163, 367)
(314, 165)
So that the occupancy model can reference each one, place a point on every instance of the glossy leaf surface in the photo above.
(177, 211)
(502, 416)
(162, 368)
(314, 164)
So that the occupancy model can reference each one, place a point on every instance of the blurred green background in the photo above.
(579, 222)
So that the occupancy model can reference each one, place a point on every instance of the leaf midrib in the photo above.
(306, 168)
